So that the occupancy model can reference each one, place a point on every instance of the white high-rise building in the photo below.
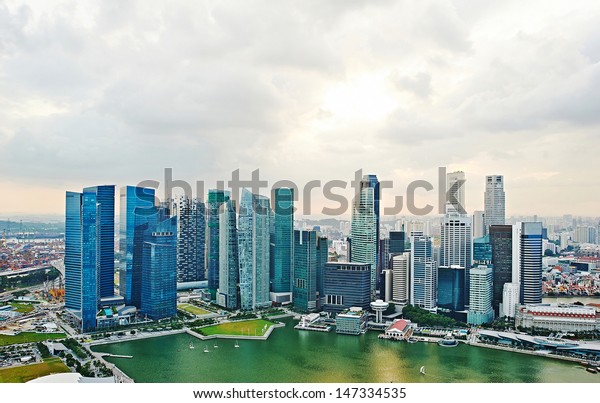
(456, 246)
(480, 309)
(510, 299)
(479, 229)
(494, 201)
(455, 190)
(400, 277)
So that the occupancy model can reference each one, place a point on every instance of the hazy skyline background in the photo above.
(114, 92)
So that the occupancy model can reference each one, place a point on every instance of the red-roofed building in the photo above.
(398, 329)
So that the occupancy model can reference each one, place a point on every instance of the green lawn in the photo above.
(28, 337)
(254, 327)
(26, 373)
(22, 308)
(194, 310)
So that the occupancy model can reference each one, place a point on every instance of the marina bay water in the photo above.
(290, 355)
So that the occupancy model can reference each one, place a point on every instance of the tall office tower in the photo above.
(191, 239)
(159, 274)
(89, 252)
(451, 290)
(346, 285)
(137, 213)
(501, 239)
(482, 251)
(494, 200)
(423, 275)
(455, 191)
(283, 245)
(305, 271)
(397, 242)
(365, 227)
(481, 310)
(531, 263)
(479, 227)
(455, 244)
(384, 249)
(254, 250)
(400, 264)
(322, 259)
(228, 294)
(216, 198)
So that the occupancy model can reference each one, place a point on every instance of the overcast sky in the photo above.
(113, 92)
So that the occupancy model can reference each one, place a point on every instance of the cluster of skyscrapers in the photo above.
(250, 257)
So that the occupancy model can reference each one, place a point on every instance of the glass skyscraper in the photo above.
(159, 274)
(531, 263)
(346, 285)
(365, 227)
(137, 214)
(89, 251)
(216, 198)
(423, 278)
(228, 294)
(305, 270)
(254, 250)
(283, 244)
(501, 240)
(451, 288)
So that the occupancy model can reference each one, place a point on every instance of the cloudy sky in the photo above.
(113, 92)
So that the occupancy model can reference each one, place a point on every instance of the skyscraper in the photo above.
(89, 252)
(480, 310)
(137, 214)
(305, 270)
(216, 198)
(400, 265)
(494, 200)
(283, 245)
(228, 294)
(191, 239)
(254, 250)
(346, 285)
(501, 239)
(423, 276)
(365, 227)
(322, 259)
(451, 290)
(456, 246)
(159, 274)
(455, 191)
(479, 227)
(531, 263)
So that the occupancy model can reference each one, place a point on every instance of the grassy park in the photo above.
(257, 327)
(22, 308)
(24, 373)
(28, 337)
(194, 310)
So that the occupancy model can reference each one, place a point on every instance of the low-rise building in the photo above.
(398, 330)
(352, 321)
(558, 317)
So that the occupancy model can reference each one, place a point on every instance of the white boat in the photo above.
(236, 344)
(422, 370)
(192, 346)
(205, 349)
(216, 345)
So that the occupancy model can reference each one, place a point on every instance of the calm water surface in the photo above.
(299, 356)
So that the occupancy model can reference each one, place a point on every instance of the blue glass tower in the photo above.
(346, 285)
(137, 214)
(531, 263)
(305, 271)
(89, 251)
(482, 251)
(159, 274)
(283, 241)
(451, 290)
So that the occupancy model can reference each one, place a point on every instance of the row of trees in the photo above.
(427, 319)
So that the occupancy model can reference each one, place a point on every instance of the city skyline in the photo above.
(447, 82)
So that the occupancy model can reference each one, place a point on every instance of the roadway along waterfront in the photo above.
(294, 356)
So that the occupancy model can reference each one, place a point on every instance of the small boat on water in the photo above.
(206, 349)
(412, 340)
(215, 345)
(448, 341)
(591, 370)
(236, 344)
(422, 370)
(192, 346)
